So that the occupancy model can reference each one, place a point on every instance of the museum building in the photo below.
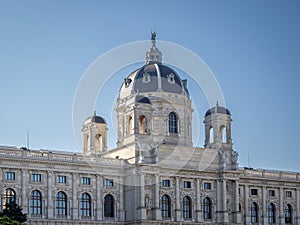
(155, 175)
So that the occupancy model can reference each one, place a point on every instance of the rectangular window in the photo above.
(271, 193)
(288, 194)
(36, 177)
(253, 191)
(207, 186)
(187, 184)
(61, 179)
(109, 182)
(10, 176)
(166, 183)
(85, 180)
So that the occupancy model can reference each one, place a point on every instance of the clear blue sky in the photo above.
(251, 46)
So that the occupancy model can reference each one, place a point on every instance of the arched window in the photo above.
(130, 127)
(85, 205)
(61, 204)
(288, 214)
(165, 206)
(98, 142)
(173, 123)
(254, 212)
(9, 195)
(143, 125)
(207, 208)
(35, 203)
(211, 135)
(187, 208)
(271, 213)
(109, 206)
(223, 133)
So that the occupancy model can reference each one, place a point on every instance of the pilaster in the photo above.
(74, 197)
(49, 195)
(98, 199)
(177, 200)
(23, 186)
(157, 211)
(121, 200)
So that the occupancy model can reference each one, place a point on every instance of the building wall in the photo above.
(138, 190)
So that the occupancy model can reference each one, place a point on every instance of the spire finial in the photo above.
(94, 112)
(216, 108)
(153, 55)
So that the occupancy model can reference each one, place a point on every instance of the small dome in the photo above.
(142, 99)
(95, 119)
(217, 109)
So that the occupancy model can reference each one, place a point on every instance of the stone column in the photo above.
(49, 195)
(177, 200)
(246, 205)
(236, 208)
(121, 200)
(199, 217)
(98, 199)
(157, 211)
(281, 207)
(224, 201)
(141, 206)
(23, 204)
(74, 197)
(264, 217)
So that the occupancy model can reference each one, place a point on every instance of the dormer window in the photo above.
(127, 82)
(146, 78)
(171, 78)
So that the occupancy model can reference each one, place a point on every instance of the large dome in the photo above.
(153, 77)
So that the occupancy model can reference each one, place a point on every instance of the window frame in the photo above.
(187, 208)
(61, 179)
(61, 204)
(85, 206)
(85, 181)
(207, 208)
(9, 175)
(165, 183)
(187, 184)
(166, 207)
(35, 203)
(36, 177)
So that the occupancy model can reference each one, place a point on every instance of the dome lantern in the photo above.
(153, 55)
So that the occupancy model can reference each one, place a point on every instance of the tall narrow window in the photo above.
(130, 127)
(165, 206)
(187, 208)
(173, 123)
(109, 206)
(211, 135)
(223, 133)
(254, 212)
(207, 208)
(9, 195)
(143, 125)
(85, 205)
(35, 203)
(61, 204)
(288, 214)
(271, 213)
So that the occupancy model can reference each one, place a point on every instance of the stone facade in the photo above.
(154, 175)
